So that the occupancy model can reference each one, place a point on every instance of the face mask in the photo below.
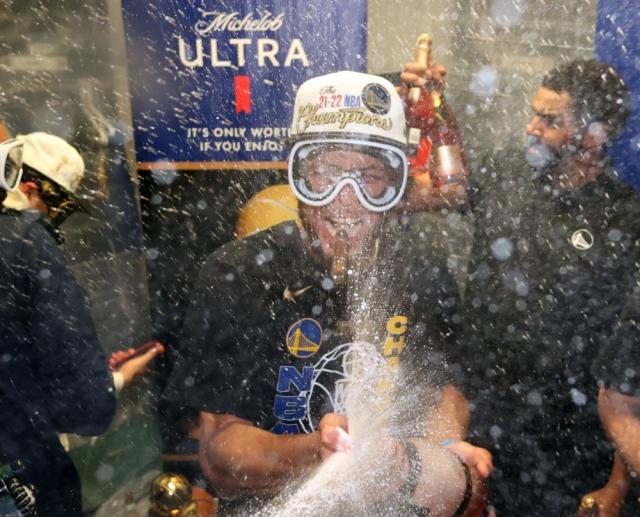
(539, 155)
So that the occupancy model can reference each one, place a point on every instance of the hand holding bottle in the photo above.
(437, 166)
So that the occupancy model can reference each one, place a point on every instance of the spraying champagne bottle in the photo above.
(433, 129)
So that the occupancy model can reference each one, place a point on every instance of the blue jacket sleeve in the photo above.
(68, 358)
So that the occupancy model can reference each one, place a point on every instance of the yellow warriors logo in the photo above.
(304, 338)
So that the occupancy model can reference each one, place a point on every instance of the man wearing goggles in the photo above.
(267, 349)
(53, 376)
(347, 164)
(51, 173)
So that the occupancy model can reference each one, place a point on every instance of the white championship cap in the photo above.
(349, 104)
(54, 158)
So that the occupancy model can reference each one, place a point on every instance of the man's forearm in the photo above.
(620, 415)
(451, 418)
(619, 477)
(625, 433)
(443, 484)
(414, 472)
(244, 460)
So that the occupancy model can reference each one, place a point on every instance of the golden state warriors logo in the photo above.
(376, 98)
(304, 338)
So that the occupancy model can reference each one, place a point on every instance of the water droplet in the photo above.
(105, 473)
(579, 398)
(502, 248)
(326, 283)
(534, 398)
(614, 235)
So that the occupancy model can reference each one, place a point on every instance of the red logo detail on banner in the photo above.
(243, 94)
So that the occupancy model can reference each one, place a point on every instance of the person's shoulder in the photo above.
(498, 171)
(25, 230)
(623, 198)
(617, 189)
(15, 222)
(269, 247)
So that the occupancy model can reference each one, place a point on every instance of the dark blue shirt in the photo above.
(53, 373)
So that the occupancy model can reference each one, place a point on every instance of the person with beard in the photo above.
(283, 321)
(555, 240)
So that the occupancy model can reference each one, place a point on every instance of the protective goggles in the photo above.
(11, 163)
(379, 185)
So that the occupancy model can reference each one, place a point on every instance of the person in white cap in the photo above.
(54, 377)
(52, 172)
(287, 323)
(53, 374)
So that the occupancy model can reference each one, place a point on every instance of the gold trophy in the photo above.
(171, 497)
(590, 506)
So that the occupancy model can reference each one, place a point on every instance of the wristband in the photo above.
(118, 381)
(413, 480)
(415, 471)
(468, 491)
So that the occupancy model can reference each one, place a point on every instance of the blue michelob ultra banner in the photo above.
(618, 43)
(213, 81)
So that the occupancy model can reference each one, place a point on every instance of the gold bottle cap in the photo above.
(423, 57)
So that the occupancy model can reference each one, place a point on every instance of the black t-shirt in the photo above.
(547, 279)
(266, 333)
(618, 363)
